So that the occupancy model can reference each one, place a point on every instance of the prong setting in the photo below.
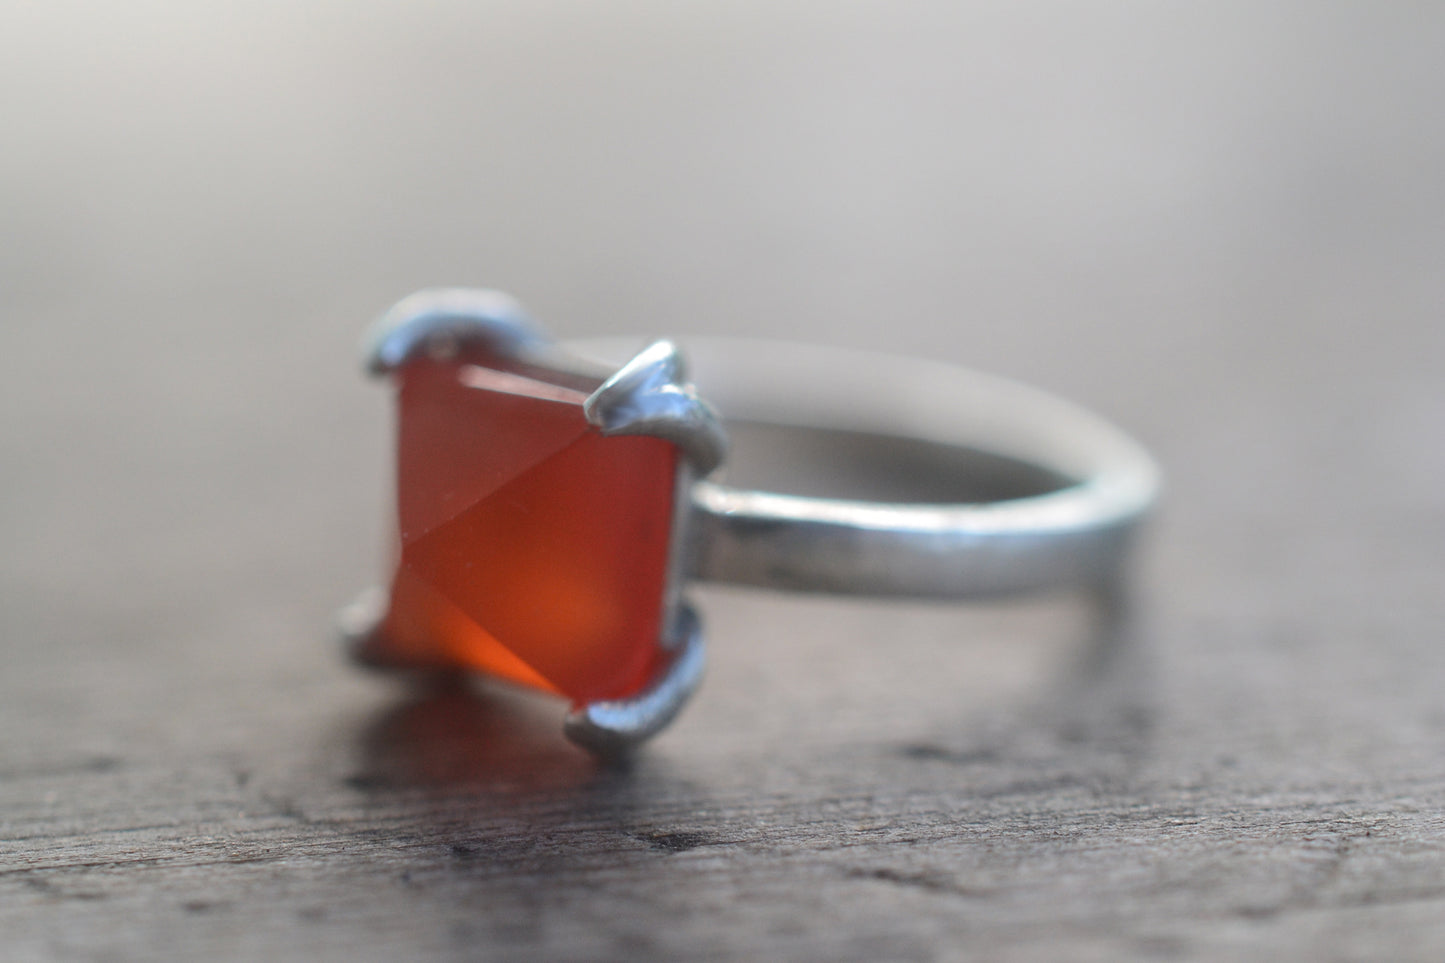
(443, 319)
(613, 728)
(650, 395)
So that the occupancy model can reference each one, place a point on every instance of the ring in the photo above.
(551, 506)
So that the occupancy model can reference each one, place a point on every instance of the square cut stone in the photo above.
(531, 547)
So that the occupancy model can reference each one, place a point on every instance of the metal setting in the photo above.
(649, 395)
(646, 396)
(441, 319)
(614, 728)
(357, 625)
(1077, 533)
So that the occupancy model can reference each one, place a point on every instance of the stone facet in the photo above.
(531, 547)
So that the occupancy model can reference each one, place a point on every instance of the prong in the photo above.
(357, 625)
(650, 396)
(449, 318)
(613, 728)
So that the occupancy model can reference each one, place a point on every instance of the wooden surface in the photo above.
(1222, 228)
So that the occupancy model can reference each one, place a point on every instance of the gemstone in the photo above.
(531, 547)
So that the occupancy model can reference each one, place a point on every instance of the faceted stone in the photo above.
(530, 546)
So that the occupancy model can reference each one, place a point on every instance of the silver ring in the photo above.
(1013, 490)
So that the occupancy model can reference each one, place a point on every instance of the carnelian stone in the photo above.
(531, 547)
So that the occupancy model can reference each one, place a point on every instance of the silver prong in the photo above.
(357, 625)
(650, 396)
(450, 317)
(613, 728)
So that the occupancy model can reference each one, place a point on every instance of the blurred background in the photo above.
(1222, 225)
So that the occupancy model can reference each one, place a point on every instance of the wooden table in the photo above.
(1222, 228)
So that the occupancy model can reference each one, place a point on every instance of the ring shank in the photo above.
(1077, 535)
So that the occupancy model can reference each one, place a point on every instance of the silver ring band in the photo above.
(1076, 535)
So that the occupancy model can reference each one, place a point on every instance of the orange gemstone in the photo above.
(531, 547)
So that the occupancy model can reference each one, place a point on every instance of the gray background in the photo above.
(1221, 226)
